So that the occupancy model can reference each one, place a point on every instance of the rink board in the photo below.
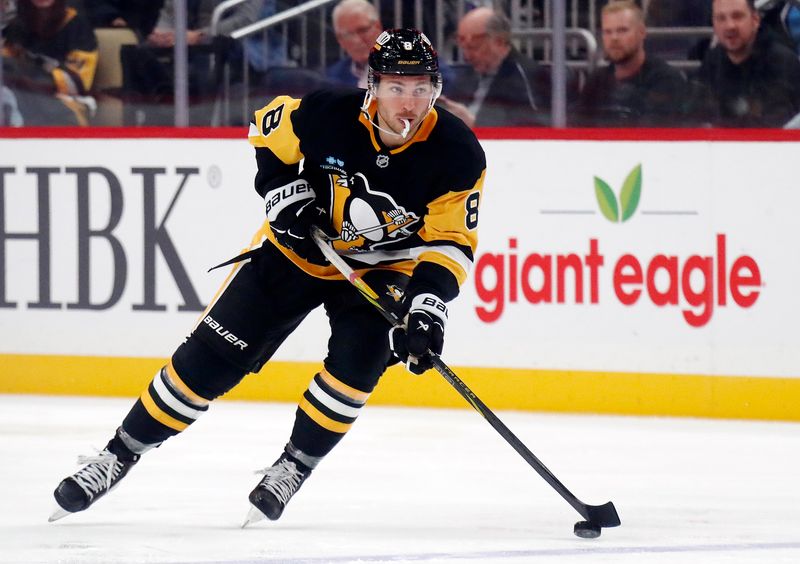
(618, 272)
(506, 388)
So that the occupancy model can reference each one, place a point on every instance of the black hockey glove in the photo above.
(422, 334)
(291, 211)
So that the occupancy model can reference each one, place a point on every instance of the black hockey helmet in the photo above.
(403, 51)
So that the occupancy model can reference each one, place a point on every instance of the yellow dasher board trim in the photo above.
(613, 393)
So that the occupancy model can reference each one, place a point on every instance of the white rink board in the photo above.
(691, 193)
(539, 193)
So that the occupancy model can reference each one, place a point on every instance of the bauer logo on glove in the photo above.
(288, 197)
(291, 210)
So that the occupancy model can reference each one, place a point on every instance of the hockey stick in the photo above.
(597, 515)
(365, 230)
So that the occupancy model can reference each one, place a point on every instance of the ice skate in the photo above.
(280, 482)
(100, 474)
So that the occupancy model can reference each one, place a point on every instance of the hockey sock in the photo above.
(166, 407)
(327, 411)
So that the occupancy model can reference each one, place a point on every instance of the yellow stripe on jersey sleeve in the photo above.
(273, 130)
(453, 217)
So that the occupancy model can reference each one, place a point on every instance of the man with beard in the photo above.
(749, 79)
(634, 89)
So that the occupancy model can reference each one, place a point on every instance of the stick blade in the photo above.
(603, 515)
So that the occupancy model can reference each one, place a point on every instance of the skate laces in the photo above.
(99, 472)
(282, 480)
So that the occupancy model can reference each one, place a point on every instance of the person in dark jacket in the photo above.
(635, 89)
(507, 88)
(749, 79)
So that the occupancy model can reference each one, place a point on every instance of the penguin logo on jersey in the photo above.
(366, 218)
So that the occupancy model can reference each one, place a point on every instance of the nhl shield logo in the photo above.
(382, 161)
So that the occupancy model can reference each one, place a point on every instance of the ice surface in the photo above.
(406, 485)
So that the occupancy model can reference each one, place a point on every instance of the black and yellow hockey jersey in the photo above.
(69, 56)
(412, 208)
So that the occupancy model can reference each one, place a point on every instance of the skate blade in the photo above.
(253, 516)
(59, 513)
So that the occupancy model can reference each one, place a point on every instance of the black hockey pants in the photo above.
(260, 307)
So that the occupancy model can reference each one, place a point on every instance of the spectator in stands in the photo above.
(138, 15)
(748, 79)
(147, 68)
(635, 89)
(506, 88)
(357, 26)
(50, 56)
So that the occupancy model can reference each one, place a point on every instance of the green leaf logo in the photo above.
(631, 190)
(628, 197)
(606, 199)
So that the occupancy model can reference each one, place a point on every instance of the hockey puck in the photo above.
(586, 530)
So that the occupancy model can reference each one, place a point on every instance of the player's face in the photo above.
(42, 4)
(623, 35)
(356, 33)
(735, 25)
(403, 98)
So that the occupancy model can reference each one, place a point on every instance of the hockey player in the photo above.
(396, 184)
